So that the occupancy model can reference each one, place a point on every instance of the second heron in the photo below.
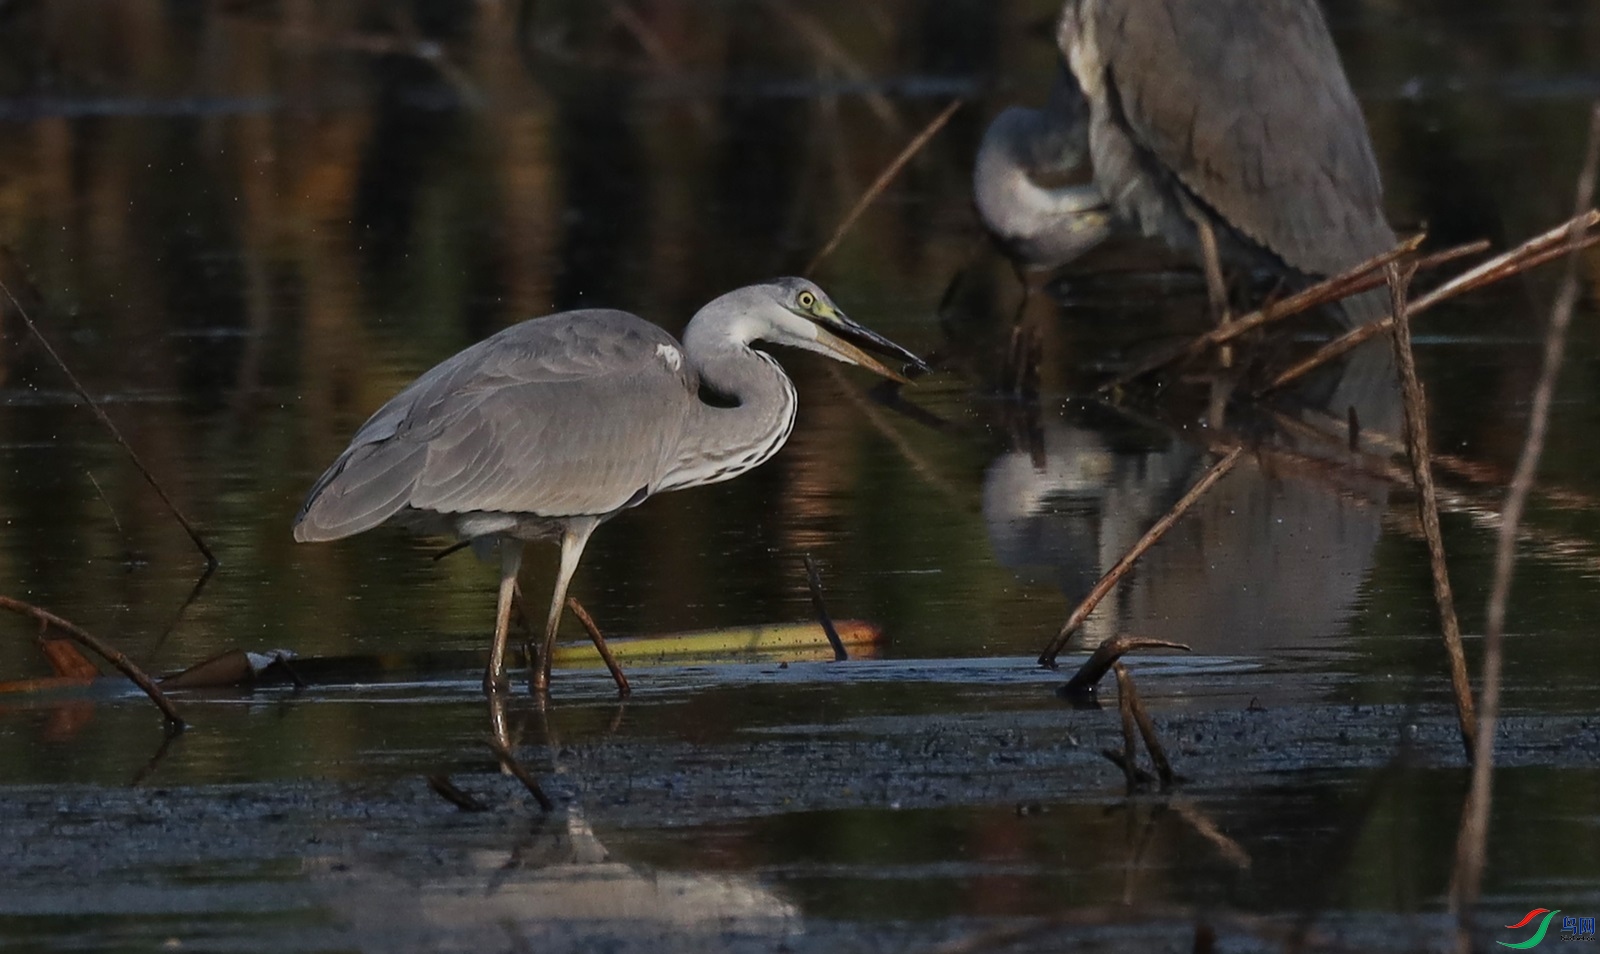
(1226, 127)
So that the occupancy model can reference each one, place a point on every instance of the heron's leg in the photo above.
(1215, 285)
(623, 689)
(573, 540)
(1210, 263)
(497, 719)
(494, 679)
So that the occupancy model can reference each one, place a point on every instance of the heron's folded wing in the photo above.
(556, 416)
(583, 446)
(1247, 103)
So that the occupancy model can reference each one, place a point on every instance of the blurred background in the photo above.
(246, 223)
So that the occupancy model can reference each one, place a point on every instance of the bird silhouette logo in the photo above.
(1537, 935)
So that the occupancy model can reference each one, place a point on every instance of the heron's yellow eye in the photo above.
(806, 300)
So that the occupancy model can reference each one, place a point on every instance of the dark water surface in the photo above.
(245, 226)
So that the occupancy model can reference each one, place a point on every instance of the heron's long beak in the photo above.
(845, 339)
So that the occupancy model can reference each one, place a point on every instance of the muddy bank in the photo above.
(839, 814)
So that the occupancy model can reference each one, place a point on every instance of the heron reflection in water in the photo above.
(555, 425)
(1227, 128)
(1273, 557)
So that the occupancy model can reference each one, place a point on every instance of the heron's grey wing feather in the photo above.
(557, 416)
(584, 446)
(1246, 102)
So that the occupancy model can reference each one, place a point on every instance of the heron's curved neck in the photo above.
(1019, 144)
(720, 443)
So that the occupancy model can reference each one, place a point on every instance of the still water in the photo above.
(245, 226)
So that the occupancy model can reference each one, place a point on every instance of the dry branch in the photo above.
(99, 413)
(814, 582)
(107, 652)
(1207, 829)
(1118, 571)
(1417, 444)
(1530, 254)
(1147, 728)
(1105, 656)
(510, 764)
(1357, 279)
(1472, 841)
(1121, 761)
(623, 689)
(1125, 710)
(447, 790)
(882, 182)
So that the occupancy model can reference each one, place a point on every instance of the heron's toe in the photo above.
(495, 683)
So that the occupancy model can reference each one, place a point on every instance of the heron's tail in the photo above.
(367, 485)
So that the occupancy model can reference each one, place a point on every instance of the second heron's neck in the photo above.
(1066, 220)
(720, 443)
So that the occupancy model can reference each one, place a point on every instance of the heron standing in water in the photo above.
(555, 425)
(1226, 127)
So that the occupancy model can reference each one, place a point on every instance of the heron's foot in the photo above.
(1019, 372)
(496, 683)
(539, 681)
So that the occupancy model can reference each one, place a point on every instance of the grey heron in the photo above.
(551, 427)
(1227, 124)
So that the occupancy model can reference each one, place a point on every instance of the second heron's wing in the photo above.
(1246, 104)
(562, 416)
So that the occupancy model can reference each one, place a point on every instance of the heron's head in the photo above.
(795, 312)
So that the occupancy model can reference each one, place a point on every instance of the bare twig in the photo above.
(155, 760)
(882, 182)
(1472, 842)
(815, 35)
(177, 615)
(199, 541)
(447, 790)
(1125, 710)
(814, 581)
(1118, 571)
(1207, 829)
(1147, 729)
(1417, 443)
(1105, 656)
(1362, 277)
(1136, 776)
(510, 764)
(109, 653)
(1530, 254)
(623, 689)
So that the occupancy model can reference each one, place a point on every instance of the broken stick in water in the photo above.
(100, 414)
(1417, 443)
(1472, 840)
(510, 764)
(1536, 251)
(623, 689)
(110, 653)
(1358, 278)
(1129, 752)
(814, 581)
(1122, 566)
(1147, 728)
(1105, 655)
(447, 790)
(882, 182)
